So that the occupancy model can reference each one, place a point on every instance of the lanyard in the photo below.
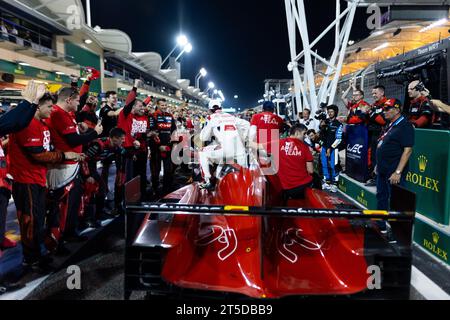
(390, 128)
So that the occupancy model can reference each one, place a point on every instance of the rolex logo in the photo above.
(362, 193)
(435, 238)
(423, 162)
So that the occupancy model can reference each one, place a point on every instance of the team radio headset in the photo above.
(420, 87)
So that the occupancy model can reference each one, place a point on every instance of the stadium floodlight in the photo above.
(187, 48)
(200, 75)
(182, 42)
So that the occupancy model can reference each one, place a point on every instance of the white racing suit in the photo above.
(229, 147)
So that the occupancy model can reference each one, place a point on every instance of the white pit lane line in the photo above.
(427, 288)
(24, 292)
(424, 285)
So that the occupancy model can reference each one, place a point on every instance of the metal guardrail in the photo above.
(29, 43)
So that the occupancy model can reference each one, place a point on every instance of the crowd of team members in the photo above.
(325, 134)
(50, 152)
(52, 147)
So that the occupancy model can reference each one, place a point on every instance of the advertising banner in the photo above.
(432, 239)
(429, 174)
(356, 162)
(35, 73)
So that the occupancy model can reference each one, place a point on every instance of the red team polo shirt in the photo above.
(61, 123)
(294, 155)
(267, 121)
(353, 107)
(133, 126)
(23, 168)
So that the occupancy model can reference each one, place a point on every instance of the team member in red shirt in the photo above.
(162, 125)
(295, 168)
(357, 107)
(135, 123)
(30, 150)
(375, 126)
(94, 188)
(266, 126)
(12, 121)
(420, 112)
(64, 180)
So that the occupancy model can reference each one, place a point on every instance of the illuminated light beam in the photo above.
(434, 25)
(382, 46)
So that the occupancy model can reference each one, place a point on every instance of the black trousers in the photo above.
(106, 164)
(155, 168)
(64, 208)
(373, 144)
(296, 193)
(5, 194)
(140, 169)
(136, 165)
(30, 203)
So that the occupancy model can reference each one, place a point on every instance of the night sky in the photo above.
(240, 43)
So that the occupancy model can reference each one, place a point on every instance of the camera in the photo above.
(321, 114)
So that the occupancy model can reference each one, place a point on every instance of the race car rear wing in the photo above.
(281, 212)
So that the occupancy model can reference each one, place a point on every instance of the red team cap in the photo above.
(392, 103)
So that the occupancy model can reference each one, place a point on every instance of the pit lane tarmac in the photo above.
(102, 274)
(102, 278)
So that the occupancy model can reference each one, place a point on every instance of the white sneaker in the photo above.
(326, 186)
(334, 188)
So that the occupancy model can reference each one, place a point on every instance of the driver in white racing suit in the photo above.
(230, 135)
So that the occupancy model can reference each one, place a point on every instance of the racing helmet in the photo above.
(214, 105)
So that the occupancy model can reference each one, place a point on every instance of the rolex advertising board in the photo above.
(429, 174)
(433, 240)
(357, 192)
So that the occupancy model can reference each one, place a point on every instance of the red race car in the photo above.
(243, 239)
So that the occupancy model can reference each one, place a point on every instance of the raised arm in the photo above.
(129, 103)
(21, 116)
(344, 96)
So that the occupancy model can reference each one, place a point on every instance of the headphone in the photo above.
(420, 87)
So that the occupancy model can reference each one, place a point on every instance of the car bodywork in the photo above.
(243, 239)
